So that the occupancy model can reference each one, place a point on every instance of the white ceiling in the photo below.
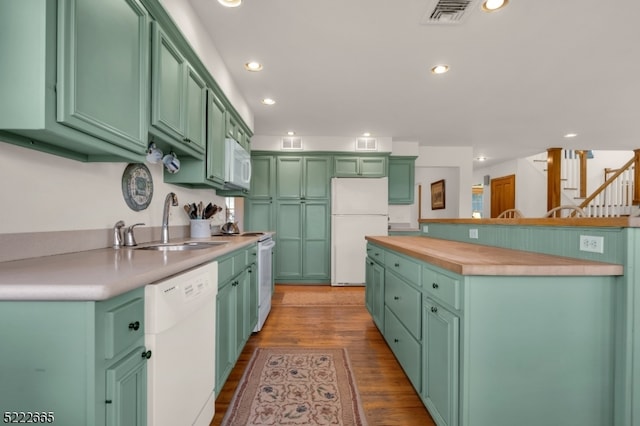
(520, 77)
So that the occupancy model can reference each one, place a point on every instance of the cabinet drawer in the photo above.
(441, 287)
(375, 253)
(124, 325)
(225, 269)
(404, 301)
(234, 263)
(406, 349)
(403, 266)
(240, 261)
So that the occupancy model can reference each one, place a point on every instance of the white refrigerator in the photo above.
(359, 207)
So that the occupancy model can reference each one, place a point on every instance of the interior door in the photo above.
(503, 194)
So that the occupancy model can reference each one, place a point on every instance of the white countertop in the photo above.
(103, 273)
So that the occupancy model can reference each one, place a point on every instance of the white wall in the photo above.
(455, 165)
(43, 192)
(425, 176)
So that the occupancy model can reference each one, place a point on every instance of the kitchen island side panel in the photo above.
(538, 348)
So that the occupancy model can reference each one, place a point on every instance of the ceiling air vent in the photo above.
(447, 11)
(366, 144)
(292, 143)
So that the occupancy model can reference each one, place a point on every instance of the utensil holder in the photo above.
(200, 228)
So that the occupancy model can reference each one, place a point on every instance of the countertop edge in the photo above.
(23, 284)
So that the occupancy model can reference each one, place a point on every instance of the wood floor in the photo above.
(386, 394)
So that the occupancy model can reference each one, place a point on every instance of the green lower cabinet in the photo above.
(126, 385)
(403, 325)
(404, 346)
(236, 309)
(243, 316)
(225, 333)
(302, 241)
(502, 350)
(80, 361)
(440, 355)
(374, 291)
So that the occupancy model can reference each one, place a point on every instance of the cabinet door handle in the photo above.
(396, 298)
(397, 265)
(434, 285)
(134, 325)
(434, 309)
(146, 354)
(108, 401)
(396, 340)
(186, 140)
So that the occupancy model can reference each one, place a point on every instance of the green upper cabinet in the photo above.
(305, 177)
(75, 77)
(196, 102)
(215, 139)
(401, 180)
(263, 174)
(105, 94)
(260, 209)
(178, 98)
(351, 166)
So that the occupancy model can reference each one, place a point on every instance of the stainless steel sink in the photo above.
(189, 245)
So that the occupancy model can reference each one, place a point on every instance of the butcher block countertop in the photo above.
(476, 259)
(102, 273)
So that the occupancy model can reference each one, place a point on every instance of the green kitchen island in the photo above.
(494, 336)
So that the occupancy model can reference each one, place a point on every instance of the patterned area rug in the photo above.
(291, 386)
(334, 298)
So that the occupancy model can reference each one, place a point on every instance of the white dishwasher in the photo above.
(180, 316)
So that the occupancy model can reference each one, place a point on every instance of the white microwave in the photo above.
(237, 165)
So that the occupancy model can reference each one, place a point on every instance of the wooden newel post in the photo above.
(582, 156)
(554, 168)
(636, 177)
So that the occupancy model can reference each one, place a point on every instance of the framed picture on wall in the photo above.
(437, 195)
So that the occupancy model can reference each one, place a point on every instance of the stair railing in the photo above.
(616, 196)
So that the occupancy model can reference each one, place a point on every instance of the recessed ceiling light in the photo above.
(230, 3)
(440, 69)
(366, 134)
(493, 5)
(253, 66)
(481, 158)
(291, 133)
(268, 101)
(570, 135)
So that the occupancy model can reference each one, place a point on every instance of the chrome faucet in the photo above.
(117, 234)
(173, 199)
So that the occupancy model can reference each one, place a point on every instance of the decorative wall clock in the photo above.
(137, 186)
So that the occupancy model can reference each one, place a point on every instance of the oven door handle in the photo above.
(266, 245)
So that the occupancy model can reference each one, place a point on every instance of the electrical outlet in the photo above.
(425, 229)
(591, 244)
(473, 233)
